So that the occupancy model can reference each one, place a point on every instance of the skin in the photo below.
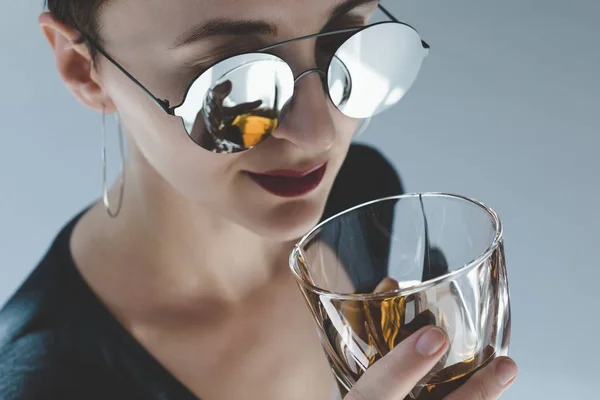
(195, 266)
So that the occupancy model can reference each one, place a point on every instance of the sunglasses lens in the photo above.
(374, 69)
(237, 103)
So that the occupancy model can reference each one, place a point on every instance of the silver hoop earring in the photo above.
(364, 124)
(109, 211)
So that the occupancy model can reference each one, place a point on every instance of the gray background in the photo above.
(506, 110)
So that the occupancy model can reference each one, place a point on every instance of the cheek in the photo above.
(346, 128)
(164, 144)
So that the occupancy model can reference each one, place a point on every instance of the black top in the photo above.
(58, 341)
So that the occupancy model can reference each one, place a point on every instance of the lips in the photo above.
(290, 183)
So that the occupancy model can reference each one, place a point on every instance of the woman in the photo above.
(177, 286)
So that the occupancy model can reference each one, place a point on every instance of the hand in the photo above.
(395, 375)
(403, 368)
(224, 137)
(221, 113)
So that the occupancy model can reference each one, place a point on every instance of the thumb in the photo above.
(395, 375)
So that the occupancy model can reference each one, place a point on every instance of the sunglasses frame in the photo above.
(165, 105)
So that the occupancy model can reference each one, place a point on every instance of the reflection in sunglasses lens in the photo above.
(240, 101)
(244, 106)
(381, 63)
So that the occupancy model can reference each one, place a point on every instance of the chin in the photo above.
(279, 218)
(288, 221)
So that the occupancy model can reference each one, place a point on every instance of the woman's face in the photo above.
(146, 38)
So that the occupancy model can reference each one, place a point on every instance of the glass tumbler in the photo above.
(378, 272)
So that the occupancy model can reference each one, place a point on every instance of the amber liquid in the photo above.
(355, 334)
(378, 326)
(245, 130)
(455, 376)
(255, 126)
(362, 332)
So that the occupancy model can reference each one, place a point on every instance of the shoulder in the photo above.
(365, 175)
(46, 299)
(44, 351)
(38, 366)
(29, 367)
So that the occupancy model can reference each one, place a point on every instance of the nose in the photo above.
(308, 123)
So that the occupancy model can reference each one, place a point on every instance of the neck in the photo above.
(163, 251)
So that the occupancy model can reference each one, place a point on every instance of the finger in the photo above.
(396, 374)
(223, 89)
(243, 108)
(387, 285)
(488, 383)
(354, 311)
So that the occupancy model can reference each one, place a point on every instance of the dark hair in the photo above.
(81, 15)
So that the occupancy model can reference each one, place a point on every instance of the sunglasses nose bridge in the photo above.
(308, 72)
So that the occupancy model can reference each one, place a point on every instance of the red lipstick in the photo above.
(290, 183)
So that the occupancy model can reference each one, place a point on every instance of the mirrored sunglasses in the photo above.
(236, 103)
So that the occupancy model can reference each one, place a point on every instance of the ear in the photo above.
(75, 64)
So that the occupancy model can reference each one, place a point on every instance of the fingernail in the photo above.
(506, 371)
(386, 285)
(431, 341)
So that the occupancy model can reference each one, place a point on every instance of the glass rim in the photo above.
(465, 268)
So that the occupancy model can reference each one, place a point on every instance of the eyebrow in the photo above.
(225, 27)
(348, 6)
